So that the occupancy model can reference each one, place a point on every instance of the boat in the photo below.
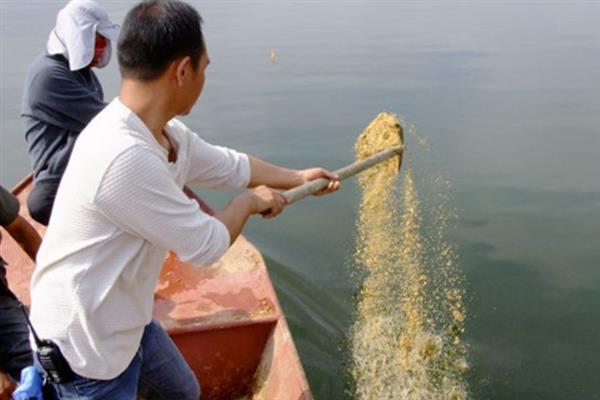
(225, 319)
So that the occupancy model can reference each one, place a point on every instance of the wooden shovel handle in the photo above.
(312, 187)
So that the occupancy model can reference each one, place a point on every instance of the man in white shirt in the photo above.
(120, 207)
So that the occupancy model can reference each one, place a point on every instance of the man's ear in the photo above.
(182, 70)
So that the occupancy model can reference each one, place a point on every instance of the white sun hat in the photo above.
(75, 32)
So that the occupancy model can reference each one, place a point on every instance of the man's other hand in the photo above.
(266, 201)
(311, 174)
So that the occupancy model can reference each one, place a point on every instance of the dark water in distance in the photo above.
(507, 95)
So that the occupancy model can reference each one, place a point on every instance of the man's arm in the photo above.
(25, 235)
(269, 203)
(16, 225)
(138, 194)
(220, 167)
(263, 173)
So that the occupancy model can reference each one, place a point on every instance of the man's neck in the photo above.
(150, 103)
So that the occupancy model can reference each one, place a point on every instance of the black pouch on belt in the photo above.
(53, 362)
(49, 355)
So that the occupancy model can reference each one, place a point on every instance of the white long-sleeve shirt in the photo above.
(118, 209)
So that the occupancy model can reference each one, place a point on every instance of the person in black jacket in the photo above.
(15, 350)
(62, 94)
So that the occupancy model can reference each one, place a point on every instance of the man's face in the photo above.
(100, 47)
(196, 83)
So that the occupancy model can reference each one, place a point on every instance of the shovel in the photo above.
(382, 131)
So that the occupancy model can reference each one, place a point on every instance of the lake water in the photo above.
(507, 95)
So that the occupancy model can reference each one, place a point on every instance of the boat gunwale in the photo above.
(204, 327)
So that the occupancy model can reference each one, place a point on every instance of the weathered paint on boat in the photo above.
(225, 318)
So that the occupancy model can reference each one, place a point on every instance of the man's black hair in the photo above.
(156, 32)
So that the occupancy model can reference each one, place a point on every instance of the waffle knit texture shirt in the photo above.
(119, 208)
